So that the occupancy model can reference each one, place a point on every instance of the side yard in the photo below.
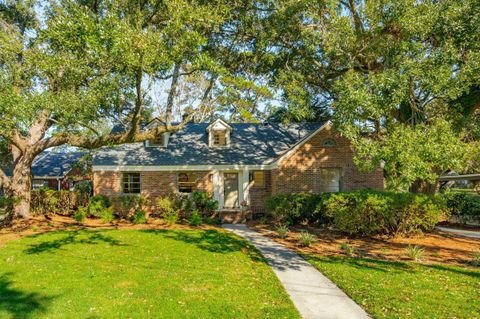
(379, 274)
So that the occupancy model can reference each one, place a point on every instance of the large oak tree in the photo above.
(70, 70)
(400, 78)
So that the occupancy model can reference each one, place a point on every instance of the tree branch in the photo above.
(171, 95)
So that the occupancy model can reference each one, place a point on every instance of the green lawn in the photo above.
(405, 290)
(138, 274)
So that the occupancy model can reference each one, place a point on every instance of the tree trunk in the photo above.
(422, 186)
(21, 189)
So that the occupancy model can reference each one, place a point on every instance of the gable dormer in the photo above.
(159, 141)
(219, 133)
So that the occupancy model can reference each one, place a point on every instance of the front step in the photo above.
(234, 216)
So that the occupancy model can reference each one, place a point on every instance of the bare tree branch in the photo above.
(172, 94)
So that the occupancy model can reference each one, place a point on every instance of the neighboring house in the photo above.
(57, 169)
(234, 162)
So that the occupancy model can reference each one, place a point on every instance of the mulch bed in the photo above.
(439, 247)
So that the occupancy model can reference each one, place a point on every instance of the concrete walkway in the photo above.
(460, 232)
(314, 295)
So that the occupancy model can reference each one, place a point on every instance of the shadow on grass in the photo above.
(90, 237)
(19, 304)
(212, 241)
(389, 266)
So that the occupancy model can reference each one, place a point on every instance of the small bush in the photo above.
(282, 231)
(349, 250)
(263, 220)
(209, 220)
(80, 214)
(195, 218)
(104, 200)
(139, 217)
(129, 205)
(170, 217)
(298, 208)
(465, 207)
(166, 204)
(476, 258)
(204, 203)
(414, 252)
(106, 215)
(305, 239)
(45, 201)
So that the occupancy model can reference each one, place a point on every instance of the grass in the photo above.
(138, 274)
(388, 289)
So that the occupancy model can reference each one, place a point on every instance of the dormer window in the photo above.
(219, 138)
(159, 141)
(219, 134)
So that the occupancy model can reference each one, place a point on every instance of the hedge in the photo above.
(363, 212)
(47, 201)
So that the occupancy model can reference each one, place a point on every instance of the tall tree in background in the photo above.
(400, 78)
(70, 70)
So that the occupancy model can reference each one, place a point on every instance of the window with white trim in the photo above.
(329, 180)
(131, 183)
(186, 182)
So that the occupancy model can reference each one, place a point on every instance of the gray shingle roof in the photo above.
(251, 144)
(55, 163)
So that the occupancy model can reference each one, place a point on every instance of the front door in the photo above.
(230, 186)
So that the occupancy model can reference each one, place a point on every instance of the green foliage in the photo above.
(282, 231)
(129, 204)
(476, 258)
(298, 208)
(46, 201)
(195, 218)
(371, 212)
(204, 203)
(305, 239)
(398, 77)
(263, 220)
(80, 214)
(463, 204)
(139, 217)
(414, 252)
(349, 250)
(170, 217)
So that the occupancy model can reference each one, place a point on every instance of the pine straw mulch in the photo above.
(439, 247)
(40, 224)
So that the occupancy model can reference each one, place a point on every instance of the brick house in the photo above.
(233, 162)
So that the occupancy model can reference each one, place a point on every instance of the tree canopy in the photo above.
(400, 78)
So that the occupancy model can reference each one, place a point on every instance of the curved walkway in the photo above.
(314, 295)
(461, 232)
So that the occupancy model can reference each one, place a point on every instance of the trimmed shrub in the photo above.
(463, 206)
(129, 204)
(171, 217)
(139, 217)
(195, 218)
(298, 208)
(46, 201)
(80, 214)
(6, 210)
(204, 203)
(371, 212)
(363, 212)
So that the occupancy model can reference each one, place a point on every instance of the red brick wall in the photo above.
(258, 194)
(153, 184)
(299, 171)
